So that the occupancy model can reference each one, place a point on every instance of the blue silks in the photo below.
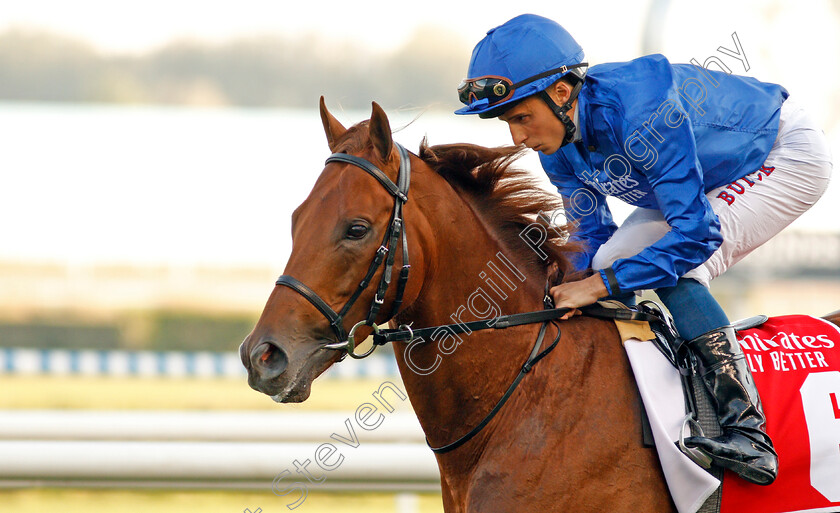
(646, 143)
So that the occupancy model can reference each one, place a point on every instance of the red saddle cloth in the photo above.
(795, 360)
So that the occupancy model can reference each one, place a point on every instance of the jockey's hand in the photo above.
(578, 293)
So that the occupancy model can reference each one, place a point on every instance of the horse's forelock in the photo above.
(511, 198)
(355, 140)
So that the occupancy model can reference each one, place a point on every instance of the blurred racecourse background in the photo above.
(151, 155)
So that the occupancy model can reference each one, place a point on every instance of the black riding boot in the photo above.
(743, 446)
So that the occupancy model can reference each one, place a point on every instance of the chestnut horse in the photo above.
(569, 437)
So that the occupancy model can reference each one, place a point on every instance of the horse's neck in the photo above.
(575, 410)
(453, 381)
(470, 256)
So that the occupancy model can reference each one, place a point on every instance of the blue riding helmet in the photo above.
(518, 59)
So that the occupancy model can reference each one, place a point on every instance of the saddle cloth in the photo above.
(795, 361)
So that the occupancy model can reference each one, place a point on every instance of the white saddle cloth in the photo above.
(661, 390)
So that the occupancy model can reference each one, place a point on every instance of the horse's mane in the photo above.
(510, 199)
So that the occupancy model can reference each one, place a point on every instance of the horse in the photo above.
(569, 437)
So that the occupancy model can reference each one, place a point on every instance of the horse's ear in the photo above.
(332, 127)
(380, 132)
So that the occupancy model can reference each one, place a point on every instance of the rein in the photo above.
(396, 234)
(407, 334)
(546, 316)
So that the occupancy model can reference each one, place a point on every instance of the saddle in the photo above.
(652, 323)
(700, 418)
(795, 362)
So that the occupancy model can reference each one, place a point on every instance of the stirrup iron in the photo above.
(697, 456)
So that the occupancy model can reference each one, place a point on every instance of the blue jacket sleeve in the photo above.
(675, 175)
(584, 207)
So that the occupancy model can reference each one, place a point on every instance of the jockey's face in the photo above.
(533, 123)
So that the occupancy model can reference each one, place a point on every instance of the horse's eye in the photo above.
(357, 231)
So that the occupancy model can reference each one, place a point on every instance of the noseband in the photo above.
(399, 190)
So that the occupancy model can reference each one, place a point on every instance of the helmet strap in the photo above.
(561, 111)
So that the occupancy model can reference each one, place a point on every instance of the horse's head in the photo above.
(339, 233)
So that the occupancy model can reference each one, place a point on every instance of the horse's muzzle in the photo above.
(265, 363)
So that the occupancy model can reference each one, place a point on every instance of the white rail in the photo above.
(225, 449)
(203, 426)
(23, 361)
(215, 461)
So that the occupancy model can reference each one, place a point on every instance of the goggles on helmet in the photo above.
(498, 89)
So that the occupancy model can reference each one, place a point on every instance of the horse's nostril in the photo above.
(269, 359)
(243, 355)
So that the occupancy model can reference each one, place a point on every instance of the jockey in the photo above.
(716, 165)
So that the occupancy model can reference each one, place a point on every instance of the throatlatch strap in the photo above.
(402, 280)
(403, 181)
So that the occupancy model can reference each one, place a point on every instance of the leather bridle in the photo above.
(393, 236)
